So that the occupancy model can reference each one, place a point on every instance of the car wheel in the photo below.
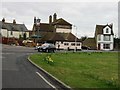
(38, 50)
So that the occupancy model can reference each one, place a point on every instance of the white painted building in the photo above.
(68, 45)
(13, 30)
(104, 37)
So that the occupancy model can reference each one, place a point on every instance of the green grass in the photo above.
(82, 69)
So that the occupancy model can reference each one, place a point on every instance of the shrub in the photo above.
(48, 59)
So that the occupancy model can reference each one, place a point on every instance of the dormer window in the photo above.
(107, 30)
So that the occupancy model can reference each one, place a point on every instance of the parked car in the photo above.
(47, 47)
(85, 48)
(36, 47)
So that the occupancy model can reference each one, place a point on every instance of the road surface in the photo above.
(17, 72)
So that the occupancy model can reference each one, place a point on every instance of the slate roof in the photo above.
(13, 27)
(61, 21)
(99, 29)
(89, 42)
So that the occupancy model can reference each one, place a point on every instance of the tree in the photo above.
(117, 43)
(24, 36)
(20, 36)
(83, 38)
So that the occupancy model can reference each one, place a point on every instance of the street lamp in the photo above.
(38, 27)
(75, 38)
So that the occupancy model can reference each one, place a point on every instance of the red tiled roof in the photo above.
(61, 22)
(53, 36)
(44, 27)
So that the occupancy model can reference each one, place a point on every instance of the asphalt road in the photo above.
(17, 72)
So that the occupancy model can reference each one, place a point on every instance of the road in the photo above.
(17, 72)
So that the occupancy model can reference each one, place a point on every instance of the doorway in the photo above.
(99, 46)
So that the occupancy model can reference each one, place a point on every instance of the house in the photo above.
(57, 31)
(103, 39)
(12, 30)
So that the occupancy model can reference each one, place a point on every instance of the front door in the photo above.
(99, 46)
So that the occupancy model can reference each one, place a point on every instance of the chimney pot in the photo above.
(14, 22)
(3, 20)
(50, 19)
(34, 20)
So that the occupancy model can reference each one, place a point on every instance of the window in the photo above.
(73, 44)
(106, 46)
(78, 44)
(99, 37)
(107, 30)
(107, 38)
(66, 44)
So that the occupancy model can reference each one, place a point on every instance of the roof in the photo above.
(99, 29)
(61, 22)
(13, 27)
(45, 27)
(69, 37)
(53, 36)
(89, 42)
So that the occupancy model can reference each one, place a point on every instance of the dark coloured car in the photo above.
(47, 47)
(86, 48)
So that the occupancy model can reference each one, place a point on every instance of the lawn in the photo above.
(82, 69)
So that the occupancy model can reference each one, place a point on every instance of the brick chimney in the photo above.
(3, 20)
(50, 19)
(14, 22)
(54, 17)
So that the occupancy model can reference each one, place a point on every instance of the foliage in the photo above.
(48, 59)
(20, 37)
(83, 38)
(24, 36)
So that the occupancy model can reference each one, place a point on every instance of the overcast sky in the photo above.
(84, 15)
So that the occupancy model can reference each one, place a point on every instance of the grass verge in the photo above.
(81, 69)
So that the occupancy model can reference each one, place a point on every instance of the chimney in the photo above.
(111, 25)
(34, 20)
(54, 17)
(50, 19)
(3, 20)
(14, 22)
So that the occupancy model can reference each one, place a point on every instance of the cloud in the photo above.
(85, 15)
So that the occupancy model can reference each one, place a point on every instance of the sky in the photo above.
(84, 15)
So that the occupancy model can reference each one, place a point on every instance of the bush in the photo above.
(49, 60)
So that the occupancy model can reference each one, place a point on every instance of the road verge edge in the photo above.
(63, 85)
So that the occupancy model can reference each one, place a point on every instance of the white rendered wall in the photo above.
(4, 32)
(61, 30)
(62, 46)
(101, 42)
